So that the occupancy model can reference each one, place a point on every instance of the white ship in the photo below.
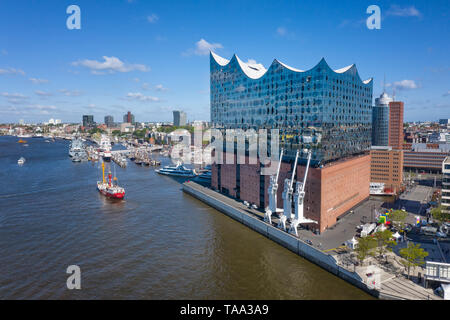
(21, 161)
(105, 147)
(178, 171)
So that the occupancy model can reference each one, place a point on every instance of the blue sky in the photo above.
(151, 57)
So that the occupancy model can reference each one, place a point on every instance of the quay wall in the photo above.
(285, 239)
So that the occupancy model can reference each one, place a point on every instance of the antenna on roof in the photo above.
(393, 94)
(384, 84)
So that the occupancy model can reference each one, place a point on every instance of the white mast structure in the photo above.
(273, 189)
(287, 195)
(299, 197)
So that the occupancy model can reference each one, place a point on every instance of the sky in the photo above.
(152, 57)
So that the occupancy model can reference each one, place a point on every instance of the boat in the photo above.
(108, 188)
(105, 147)
(178, 171)
(76, 147)
(21, 161)
(206, 176)
(22, 141)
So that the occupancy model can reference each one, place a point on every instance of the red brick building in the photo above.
(396, 109)
(331, 190)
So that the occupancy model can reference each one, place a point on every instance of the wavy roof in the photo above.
(256, 71)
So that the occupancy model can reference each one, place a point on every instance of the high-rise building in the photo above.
(380, 121)
(109, 121)
(129, 118)
(88, 120)
(179, 118)
(327, 111)
(396, 124)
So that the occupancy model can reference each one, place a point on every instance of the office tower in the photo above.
(109, 121)
(129, 118)
(179, 118)
(88, 120)
(396, 125)
(380, 120)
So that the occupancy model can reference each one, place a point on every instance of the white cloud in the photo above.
(252, 62)
(12, 71)
(43, 93)
(145, 86)
(202, 48)
(160, 87)
(140, 97)
(399, 11)
(153, 18)
(109, 65)
(14, 98)
(403, 85)
(38, 81)
(12, 95)
(447, 94)
(281, 31)
(70, 93)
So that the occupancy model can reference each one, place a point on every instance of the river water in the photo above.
(158, 243)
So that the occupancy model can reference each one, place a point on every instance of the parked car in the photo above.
(441, 234)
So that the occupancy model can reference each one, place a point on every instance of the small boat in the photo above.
(108, 188)
(21, 161)
(178, 171)
(22, 141)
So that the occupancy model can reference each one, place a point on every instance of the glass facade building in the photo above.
(328, 111)
(179, 118)
(380, 121)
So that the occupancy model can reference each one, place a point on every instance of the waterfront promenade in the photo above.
(393, 285)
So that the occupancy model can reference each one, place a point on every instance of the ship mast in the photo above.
(103, 172)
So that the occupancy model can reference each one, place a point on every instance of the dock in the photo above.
(254, 219)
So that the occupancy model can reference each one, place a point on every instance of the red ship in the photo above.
(109, 189)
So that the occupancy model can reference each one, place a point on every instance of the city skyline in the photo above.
(154, 58)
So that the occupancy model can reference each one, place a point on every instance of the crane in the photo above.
(273, 189)
(287, 195)
(299, 197)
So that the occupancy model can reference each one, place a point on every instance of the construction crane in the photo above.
(273, 189)
(299, 198)
(287, 195)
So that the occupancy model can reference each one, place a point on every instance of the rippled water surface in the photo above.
(159, 243)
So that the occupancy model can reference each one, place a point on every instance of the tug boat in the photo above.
(108, 188)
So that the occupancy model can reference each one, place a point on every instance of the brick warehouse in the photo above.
(330, 191)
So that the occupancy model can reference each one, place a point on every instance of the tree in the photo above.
(364, 247)
(413, 256)
(439, 215)
(116, 133)
(398, 217)
(382, 238)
